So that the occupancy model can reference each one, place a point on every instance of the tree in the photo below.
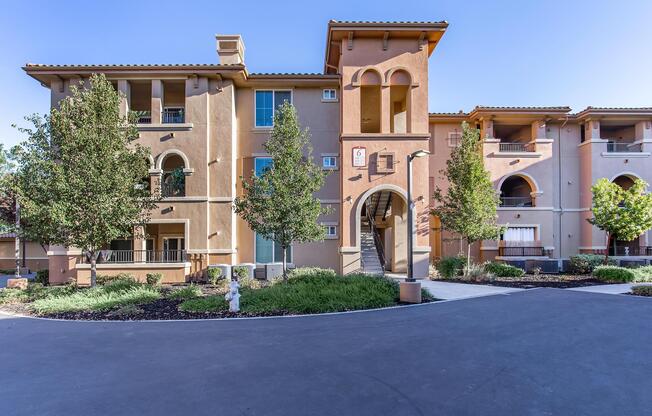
(469, 205)
(623, 214)
(279, 204)
(7, 199)
(79, 173)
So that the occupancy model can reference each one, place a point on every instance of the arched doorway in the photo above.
(381, 218)
(621, 247)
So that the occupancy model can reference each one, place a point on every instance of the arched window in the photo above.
(624, 181)
(370, 101)
(399, 106)
(516, 191)
(173, 179)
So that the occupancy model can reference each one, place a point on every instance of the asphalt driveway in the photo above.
(537, 352)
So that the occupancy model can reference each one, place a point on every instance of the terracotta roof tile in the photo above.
(516, 108)
(388, 22)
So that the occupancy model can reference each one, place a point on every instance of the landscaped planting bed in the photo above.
(307, 291)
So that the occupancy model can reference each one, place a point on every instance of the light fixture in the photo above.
(419, 153)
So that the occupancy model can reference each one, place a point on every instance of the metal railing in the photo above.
(516, 201)
(521, 251)
(620, 147)
(378, 242)
(144, 117)
(173, 189)
(515, 147)
(174, 115)
(630, 251)
(138, 256)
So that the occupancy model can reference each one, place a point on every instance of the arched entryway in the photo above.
(381, 221)
(620, 247)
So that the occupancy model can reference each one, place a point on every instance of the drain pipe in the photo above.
(561, 209)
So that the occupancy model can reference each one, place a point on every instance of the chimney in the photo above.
(230, 49)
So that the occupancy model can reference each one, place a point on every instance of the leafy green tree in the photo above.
(79, 173)
(623, 214)
(279, 204)
(468, 207)
(7, 199)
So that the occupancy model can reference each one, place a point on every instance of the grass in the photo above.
(188, 292)
(313, 292)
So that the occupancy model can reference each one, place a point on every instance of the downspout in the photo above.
(561, 209)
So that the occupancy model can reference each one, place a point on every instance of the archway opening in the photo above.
(383, 233)
(173, 181)
(622, 247)
(516, 191)
(399, 97)
(370, 102)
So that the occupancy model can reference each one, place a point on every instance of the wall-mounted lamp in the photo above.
(518, 215)
(171, 135)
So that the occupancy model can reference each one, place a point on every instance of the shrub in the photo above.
(642, 290)
(503, 270)
(585, 263)
(43, 277)
(95, 299)
(450, 267)
(643, 274)
(614, 274)
(214, 275)
(476, 273)
(240, 272)
(104, 279)
(188, 292)
(154, 279)
(310, 272)
(121, 284)
(242, 275)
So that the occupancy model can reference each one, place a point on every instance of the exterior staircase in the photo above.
(369, 256)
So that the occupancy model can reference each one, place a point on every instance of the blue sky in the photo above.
(518, 52)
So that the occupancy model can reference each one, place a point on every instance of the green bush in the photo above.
(100, 298)
(643, 274)
(240, 272)
(311, 293)
(585, 263)
(34, 292)
(310, 272)
(43, 277)
(154, 279)
(450, 267)
(503, 270)
(643, 290)
(104, 279)
(214, 275)
(121, 284)
(476, 273)
(188, 292)
(614, 274)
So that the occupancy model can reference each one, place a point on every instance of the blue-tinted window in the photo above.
(262, 164)
(268, 251)
(266, 102)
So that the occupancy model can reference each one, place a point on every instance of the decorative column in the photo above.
(125, 103)
(157, 101)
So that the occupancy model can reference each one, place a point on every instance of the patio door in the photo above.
(173, 249)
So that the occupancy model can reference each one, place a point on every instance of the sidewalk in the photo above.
(609, 289)
(448, 290)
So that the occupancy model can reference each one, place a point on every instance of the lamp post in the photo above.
(411, 289)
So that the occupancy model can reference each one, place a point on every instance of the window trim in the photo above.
(329, 100)
(330, 236)
(272, 90)
(454, 135)
(329, 167)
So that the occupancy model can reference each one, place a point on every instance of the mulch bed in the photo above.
(530, 281)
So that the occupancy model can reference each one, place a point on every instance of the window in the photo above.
(329, 162)
(329, 94)
(331, 231)
(266, 102)
(262, 164)
(519, 234)
(268, 251)
(454, 138)
(385, 162)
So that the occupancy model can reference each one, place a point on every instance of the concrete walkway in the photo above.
(449, 290)
(609, 289)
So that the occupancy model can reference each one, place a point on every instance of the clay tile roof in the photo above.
(450, 114)
(490, 108)
(7, 235)
(289, 74)
(615, 110)
(126, 66)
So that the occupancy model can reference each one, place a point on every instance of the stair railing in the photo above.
(378, 243)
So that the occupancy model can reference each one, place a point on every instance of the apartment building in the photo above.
(367, 112)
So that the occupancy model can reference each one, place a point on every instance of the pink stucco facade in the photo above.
(210, 122)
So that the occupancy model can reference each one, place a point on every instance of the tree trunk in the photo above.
(606, 252)
(93, 268)
(468, 255)
(17, 239)
(285, 264)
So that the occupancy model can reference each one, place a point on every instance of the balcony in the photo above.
(144, 117)
(515, 147)
(172, 189)
(139, 256)
(173, 115)
(521, 251)
(516, 201)
(623, 147)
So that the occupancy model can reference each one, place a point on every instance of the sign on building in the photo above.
(359, 156)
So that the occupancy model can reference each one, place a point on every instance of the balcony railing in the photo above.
(521, 251)
(139, 256)
(620, 147)
(173, 189)
(631, 251)
(144, 117)
(174, 115)
(516, 201)
(515, 147)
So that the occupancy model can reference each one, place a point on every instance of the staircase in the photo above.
(369, 256)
